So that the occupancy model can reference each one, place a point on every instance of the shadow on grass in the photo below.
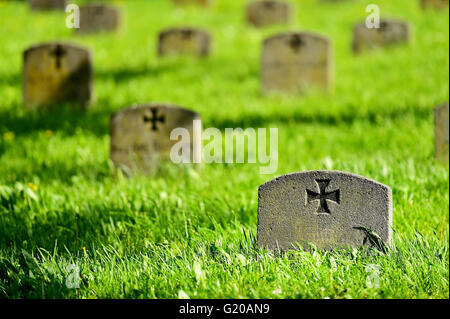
(66, 120)
(371, 117)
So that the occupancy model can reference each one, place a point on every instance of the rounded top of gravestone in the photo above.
(269, 4)
(56, 44)
(293, 34)
(169, 107)
(319, 174)
(184, 29)
(385, 22)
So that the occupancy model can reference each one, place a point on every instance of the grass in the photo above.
(186, 232)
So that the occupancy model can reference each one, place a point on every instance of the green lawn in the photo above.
(192, 232)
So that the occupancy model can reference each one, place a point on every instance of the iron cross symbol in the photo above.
(58, 53)
(296, 42)
(154, 119)
(268, 5)
(323, 196)
(383, 26)
(186, 34)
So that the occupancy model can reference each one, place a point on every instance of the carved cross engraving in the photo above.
(186, 34)
(154, 119)
(323, 196)
(58, 53)
(383, 26)
(269, 5)
(296, 42)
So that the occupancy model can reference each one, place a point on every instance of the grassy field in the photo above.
(191, 233)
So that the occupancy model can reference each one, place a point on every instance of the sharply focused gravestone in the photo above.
(435, 4)
(57, 73)
(329, 209)
(181, 41)
(390, 32)
(268, 12)
(48, 4)
(98, 17)
(296, 61)
(441, 133)
(140, 135)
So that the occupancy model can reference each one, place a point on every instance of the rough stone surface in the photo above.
(57, 73)
(184, 41)
(441, 133)
(98, 17)
(48, 4)
(435, 4)
(329, 209)
(268, 12)
(296, 61)
(140, 135)
(389, 33)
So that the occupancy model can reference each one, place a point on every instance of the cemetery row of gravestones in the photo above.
(327, 208)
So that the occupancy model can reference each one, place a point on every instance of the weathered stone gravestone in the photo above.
(98, 17)
(268, 12)
(57, 73)
(48, 4)
(329, 209)
(389, 33)
(441, 133)
(296, 61)
(197, 2)
(140, 135)
(184, 41)
(435, 4)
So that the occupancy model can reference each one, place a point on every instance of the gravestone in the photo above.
(140, 135)
(268, 12)
(435, 4)
(295, 61)
(184, 41)
(196, 2)
(48, 4)
(441, 133)
(98, 17)
(329, 209)
(389, 33)
(57, 73)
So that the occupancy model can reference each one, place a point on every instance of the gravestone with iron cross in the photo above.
(48, 4)
(56, 73)
(181, 41)
(329, 209)
(204, 3)
(441, 133)
(98, 17)
(294, 62)
(140, 135)
(390, 32)
(435, 4)
(268, 12)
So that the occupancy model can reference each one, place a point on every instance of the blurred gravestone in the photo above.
(441, 133)
(57, 73)
(329, 209)
(435, 4)
(98, 17)
(184, 41)
(48, 4)
(390, 32)
(268, 12)
(140, 135)
(196, 2)
(295, 61)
